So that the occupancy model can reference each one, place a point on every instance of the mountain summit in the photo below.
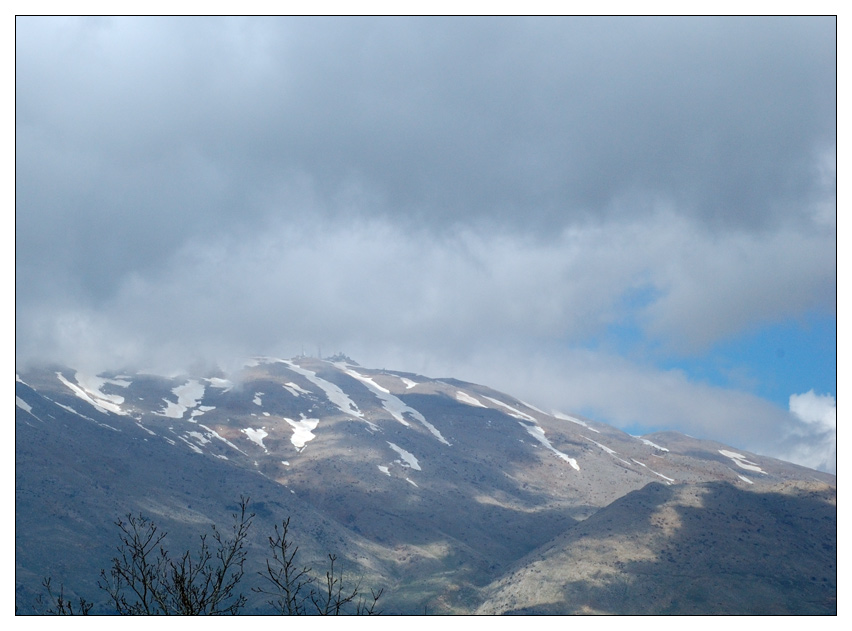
(454, 497)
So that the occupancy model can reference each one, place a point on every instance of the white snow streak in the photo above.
(408, 383)
(393, 404)
(611, 452)
(661, 475)
(469, 400)
(654, 445)
(92, 385)
(73, 411)
(513, 411)
(744, 479)
(26, 407)
(384, 469)
(294, 389)
(604, 447)
(368, 381)
(534, 408)
(201, 438)
(92, 395)
(222, 438)
(333, 392)
(741, 461)
(538, 433)
(88, 418)
(191, 445)
(408, 457)
(565, 417)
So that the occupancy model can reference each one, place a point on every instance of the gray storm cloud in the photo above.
(422, 190)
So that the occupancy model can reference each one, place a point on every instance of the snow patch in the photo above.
(565, 417)
(538, 433)
(604, 447)
(26, 407)
(222, 438)
(294, 389)
(661, 475)
(256, 435)
(513, 411)
(654, 445)
(222, 384)
(741, 461)
(191, 445)
(139, 424)
(611, 452)
(384, 469)
(368, 381)
(408, 457)
(469, 400)
(333, 392)
(189, 394)
(200, 411)
(172, 410)
(73, 411)
(201, 438)
(302, 431)
(744, 479)
(393, 404)
(409, 384)
(257, 400)
(89, 391)
(534, 408)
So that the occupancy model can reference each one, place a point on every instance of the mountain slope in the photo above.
(432, 488)
(686, 549)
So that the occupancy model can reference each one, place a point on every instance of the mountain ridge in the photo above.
(432, 487)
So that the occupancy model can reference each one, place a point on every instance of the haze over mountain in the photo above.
(632, 218)
(454, 497)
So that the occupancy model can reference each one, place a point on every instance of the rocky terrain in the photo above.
(453, 497)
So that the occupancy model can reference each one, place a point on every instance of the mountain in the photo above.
(452, 496)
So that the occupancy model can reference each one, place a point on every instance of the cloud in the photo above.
(627, 393)
(372, 283)
(812, 440)
(426, 190)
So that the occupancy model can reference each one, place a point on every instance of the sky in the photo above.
(632, 219)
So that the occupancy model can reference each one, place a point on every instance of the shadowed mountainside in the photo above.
(686, 549)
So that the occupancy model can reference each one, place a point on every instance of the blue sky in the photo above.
(773, 361)
(629, 218)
